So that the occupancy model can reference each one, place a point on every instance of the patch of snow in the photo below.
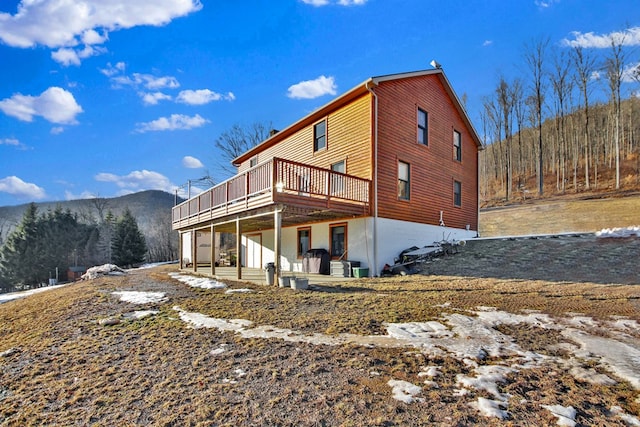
(21, 294)
(487, 379)
(139, 297)
(405, 391)
(219, 350)
(141, 314)
(591, 376)
(429, 371)
(198, 282)
(623, 359)
(197, 320)
(103, 270)
(629, 420)
(490, 408)
(619, 232)
(238, 291)
(566, 415)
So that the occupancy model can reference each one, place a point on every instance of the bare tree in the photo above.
(535, 56)
(505, 100)
(614, 66)
(238, 139)
(585, 65)
(561, 83)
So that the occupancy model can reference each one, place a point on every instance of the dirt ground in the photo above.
(61, 365)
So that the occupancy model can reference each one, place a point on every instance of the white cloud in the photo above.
(138, 181)
(57, 130)
(631, 73)
(191, 162)
(487, 43)
(310, 89)
(68, 195)
(54, 104)
(10, 141)
(24, 190)
(112, 70)
(146, 80)
(545, 3)
(629, 37)
(174, 122)
(202, 96)
(69, 24)
(153, 98)
(318, 3)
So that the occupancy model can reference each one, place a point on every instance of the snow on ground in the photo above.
(471, 339)
(619, 232)
(21, 294)
(566, 415)
(103, 270)
(198, 282)
(138, 297)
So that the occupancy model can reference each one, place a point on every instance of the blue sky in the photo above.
(104, 98)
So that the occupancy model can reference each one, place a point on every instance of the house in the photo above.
(390, 164)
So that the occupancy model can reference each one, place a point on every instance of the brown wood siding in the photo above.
(348, 139)
(433, 167)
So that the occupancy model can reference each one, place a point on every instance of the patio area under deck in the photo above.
(257, 276)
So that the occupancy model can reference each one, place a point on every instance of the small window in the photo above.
(304, 241)
(457, 146)
(253, 161)
(423, 127)
(457, 193)
(320, 136)
(403, 180)
(338, 240)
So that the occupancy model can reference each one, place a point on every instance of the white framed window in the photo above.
(404, 180)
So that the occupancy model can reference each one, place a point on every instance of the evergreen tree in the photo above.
(21, 258)
(128, 245)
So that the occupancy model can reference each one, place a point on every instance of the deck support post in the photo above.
(238, 249)
(180, 249)
(212, 242)
(277, 230)
(194, 250)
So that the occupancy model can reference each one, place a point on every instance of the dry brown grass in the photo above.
(567, 214)
(69, 370)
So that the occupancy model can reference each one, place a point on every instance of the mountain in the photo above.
(150, 208)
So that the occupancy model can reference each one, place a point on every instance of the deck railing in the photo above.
(266, 183)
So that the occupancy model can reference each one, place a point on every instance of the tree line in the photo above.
(44, 246)
(545, 132)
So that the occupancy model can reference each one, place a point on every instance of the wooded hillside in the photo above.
(569, 125)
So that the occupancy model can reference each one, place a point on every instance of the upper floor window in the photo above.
(457, 193)
(253, 161)
(320, 136)
(423, 127)
(403, 181)
(457, 146)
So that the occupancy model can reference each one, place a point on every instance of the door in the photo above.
(254, 251)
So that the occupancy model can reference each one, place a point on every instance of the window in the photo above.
(457, 193)
(253, 161)
(457, 146)
(320, 136)
(304, 241)
(423, 127)
(338, 240)
(403, 181)
(337, 181)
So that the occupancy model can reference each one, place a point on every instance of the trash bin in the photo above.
(270, 269)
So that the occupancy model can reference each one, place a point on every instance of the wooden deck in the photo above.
(317, 193)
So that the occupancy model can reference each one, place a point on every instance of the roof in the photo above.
(349, 96)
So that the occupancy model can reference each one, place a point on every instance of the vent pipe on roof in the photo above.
(273, 132)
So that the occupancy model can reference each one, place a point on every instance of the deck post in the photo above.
(238, 249)
(180, 249)
(277, 230)
(194, 250)
(213, 250)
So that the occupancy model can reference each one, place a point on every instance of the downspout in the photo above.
(376, 273)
